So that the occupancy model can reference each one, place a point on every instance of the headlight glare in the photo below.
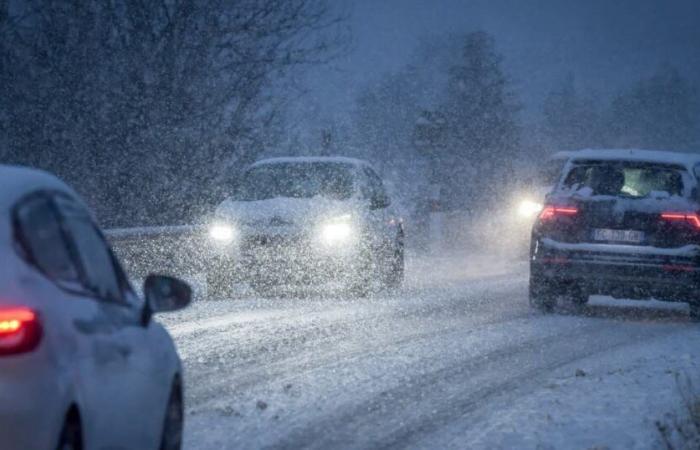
(528, 208)
(333, 233)
(221, 232)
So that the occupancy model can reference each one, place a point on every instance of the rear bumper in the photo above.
(672, 275)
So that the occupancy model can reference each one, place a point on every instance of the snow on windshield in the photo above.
(297, 180)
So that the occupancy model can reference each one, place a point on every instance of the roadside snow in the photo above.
(610, 401)
(456, 359)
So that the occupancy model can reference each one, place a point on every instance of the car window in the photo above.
(43, 240)
(296, 180)
(625, 179)
(100, 271)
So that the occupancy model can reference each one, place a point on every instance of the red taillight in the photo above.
(690, 218)
(20, 330)
(550, 211)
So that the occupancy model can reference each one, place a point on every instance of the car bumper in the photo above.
(31, 405)
(298, 266)
(664, 275)
(295, 262)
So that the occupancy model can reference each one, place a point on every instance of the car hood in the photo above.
(283, 212)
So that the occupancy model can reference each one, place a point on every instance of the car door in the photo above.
(119, 379)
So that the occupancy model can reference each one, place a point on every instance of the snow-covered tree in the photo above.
(662, 111)
(571, 120)
(482, 125)
(145, 105)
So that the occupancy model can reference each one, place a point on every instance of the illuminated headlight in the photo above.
(528, 208)
(221, 232)
(337, 231)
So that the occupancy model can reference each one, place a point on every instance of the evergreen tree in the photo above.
(481, 125)
(657, 112)
(571, 122)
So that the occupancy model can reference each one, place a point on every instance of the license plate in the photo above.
(628, 236)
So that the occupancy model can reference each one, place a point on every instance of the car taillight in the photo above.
(689, 218)
(20, 330)
(551, 211)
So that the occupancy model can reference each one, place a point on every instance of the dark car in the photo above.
(624, 223)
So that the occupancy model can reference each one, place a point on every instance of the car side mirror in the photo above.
(164, 294)
(380, 201)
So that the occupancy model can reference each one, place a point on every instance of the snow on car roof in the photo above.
(688, 160)
(310, 159)
(17, 181)
(566, 154)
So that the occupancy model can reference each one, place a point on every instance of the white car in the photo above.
(82, 363)
(307, 220)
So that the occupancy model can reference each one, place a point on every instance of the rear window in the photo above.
(622, 179)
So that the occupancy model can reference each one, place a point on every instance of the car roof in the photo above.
(687, 160)
(311, 159)
(558, 156)
(17, 181)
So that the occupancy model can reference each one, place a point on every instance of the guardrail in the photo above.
(173, 249)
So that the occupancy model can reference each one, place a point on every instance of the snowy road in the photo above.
(456, 359)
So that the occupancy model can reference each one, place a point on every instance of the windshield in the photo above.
(297, 180)
(625, 179)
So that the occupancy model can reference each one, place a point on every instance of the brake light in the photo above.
(20, 330)
(690, 218)
(550, 211)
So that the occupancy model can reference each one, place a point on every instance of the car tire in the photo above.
(265, 288)
(364, 274)
(219, 285)
(694, 311)
(395, 269)
(577, 296)
(173, 424)
(541, 294)
(71, 437)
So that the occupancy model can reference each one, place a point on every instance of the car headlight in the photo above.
(222, 233)
(528, 208)
(337, 231)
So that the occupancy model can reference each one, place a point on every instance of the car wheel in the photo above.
(71, 434)
(265, 288)
(362, 282)
(541, 294)
(695, 312)
(174, 420)
(577, 296)
(219, 284)
(395, 270)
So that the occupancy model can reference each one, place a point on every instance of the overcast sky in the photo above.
(604, 43)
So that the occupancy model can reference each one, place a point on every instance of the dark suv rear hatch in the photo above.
(625, 203)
